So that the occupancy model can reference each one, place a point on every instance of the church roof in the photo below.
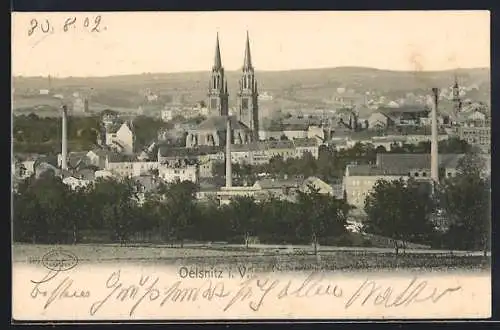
(219, 123)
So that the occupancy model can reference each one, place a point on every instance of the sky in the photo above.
(161, 42)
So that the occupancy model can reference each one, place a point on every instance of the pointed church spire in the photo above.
(247, 63)
(456, 81)
(217, 59)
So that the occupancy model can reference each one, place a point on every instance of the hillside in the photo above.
(289, 88)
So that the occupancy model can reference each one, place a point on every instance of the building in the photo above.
(360, 179)
(75, 160)
(109, 117)
(178, 174)
(121, 137)
(378, 120)
(167, 115)
(477, 136)
(407, 115)
(244, 125)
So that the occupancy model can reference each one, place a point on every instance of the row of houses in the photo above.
(359, 180)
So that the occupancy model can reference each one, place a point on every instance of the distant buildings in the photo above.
(360, 179)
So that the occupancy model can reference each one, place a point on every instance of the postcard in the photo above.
(176, 166)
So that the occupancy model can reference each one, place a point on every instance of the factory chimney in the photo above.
(229, 173)
(434, 141)
(64, 142)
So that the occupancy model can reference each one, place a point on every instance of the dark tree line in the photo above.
(48, 211)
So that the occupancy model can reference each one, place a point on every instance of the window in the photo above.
(424, 174)
(213, 103)
(416, 174)
(244, 104)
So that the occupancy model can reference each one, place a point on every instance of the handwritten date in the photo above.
(45, 26)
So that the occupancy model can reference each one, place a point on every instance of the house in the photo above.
(174, 174)
(378, 120)
(303, 146)
(167, 115)
(316, 183)
(121, 138)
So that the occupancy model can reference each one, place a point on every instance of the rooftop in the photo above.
(416, 161)
(219, 123)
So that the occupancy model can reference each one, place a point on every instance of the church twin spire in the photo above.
(247, 111)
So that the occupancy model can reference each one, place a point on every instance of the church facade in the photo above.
(245, 123)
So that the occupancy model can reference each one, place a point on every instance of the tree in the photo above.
(180, 208)
(114, 206)
(244, 215)
(465, 199)
(400, 210)
(322, 215)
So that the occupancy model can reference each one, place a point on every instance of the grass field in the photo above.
(262, 258)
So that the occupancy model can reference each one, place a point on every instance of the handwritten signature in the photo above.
(257, 289)
(254, 292)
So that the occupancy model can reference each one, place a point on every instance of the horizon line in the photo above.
(262, 71)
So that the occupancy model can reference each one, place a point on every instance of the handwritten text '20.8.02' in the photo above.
(93, 24)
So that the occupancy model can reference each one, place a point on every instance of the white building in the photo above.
(167, 115)
(75, 183)
(121, 139)
(173, 174)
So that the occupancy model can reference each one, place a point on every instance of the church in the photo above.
(245, 123)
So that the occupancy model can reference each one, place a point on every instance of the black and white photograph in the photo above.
(248, 165)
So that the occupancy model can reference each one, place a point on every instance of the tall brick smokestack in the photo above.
(434, 141)
(64, 140)
(229, 172)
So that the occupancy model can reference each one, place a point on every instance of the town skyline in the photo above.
(437, 44)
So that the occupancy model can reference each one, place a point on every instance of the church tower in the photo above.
(248, 108)
(457, 102)
(217, 89)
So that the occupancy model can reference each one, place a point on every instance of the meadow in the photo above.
(264, 257)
